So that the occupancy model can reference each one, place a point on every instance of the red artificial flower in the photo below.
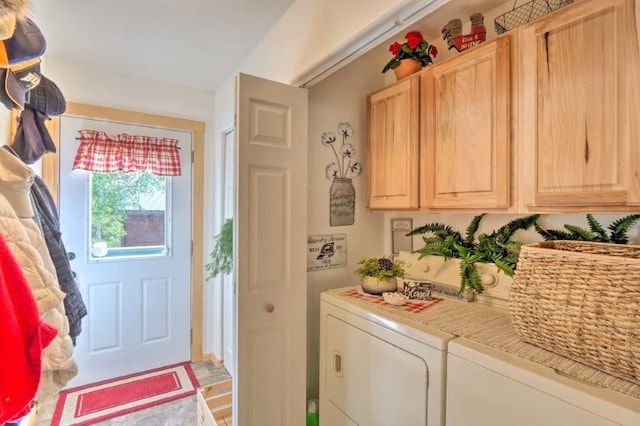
(395, 48)
(414, 38)
(433, 51)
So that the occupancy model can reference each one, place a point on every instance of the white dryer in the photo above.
(377, 371)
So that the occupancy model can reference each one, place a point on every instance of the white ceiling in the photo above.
(195, 43)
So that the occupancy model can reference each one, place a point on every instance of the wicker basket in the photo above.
(581, 300)
(526, 12)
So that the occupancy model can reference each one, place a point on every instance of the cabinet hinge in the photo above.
(191, 247)
(191, 336)
(192, 157)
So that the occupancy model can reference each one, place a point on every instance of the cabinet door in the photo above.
(465, 127)
(579, 126)
(393, 146)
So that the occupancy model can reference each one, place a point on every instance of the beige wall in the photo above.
(339, 98)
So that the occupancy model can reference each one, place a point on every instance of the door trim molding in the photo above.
(51, 176)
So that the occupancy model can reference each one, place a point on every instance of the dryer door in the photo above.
(372, 381)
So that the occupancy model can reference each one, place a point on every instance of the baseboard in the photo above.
(214, 359)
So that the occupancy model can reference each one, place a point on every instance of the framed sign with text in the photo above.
(326, 251)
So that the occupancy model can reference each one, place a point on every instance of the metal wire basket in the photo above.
(526, 13)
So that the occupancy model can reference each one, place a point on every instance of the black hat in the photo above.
(17, 80)
(32, 138)
(47, 98)
(27, 42)
(20, 63)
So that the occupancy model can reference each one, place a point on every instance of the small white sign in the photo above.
(326, 251)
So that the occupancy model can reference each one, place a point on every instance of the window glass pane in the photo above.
(128, 215)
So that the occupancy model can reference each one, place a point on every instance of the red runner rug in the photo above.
(97, 402)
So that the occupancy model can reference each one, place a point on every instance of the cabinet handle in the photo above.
(337, 364)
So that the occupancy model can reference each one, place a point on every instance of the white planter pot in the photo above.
(373, 285)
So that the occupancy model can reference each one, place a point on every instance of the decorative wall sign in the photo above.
(326, 251)
(452, 33)
(342, 195)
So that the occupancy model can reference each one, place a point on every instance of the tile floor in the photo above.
(181, 412)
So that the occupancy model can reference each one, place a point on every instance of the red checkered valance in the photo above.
(99, 152)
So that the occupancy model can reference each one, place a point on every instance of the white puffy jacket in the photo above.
(27, 244)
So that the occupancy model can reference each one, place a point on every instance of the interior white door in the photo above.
(228, 280)
(139, 305)
(271, 227)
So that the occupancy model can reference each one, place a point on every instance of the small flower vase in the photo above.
(342, 202)
(406, 68)
(373, 285)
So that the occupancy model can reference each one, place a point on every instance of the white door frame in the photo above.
(51, 176)
(228, 326)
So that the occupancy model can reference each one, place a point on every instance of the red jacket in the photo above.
(22, 337)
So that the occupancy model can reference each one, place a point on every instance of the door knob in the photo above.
(71, 255)
(269, 307)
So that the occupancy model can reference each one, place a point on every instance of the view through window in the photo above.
(128, 215)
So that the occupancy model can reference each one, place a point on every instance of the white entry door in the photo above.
(138, 295)
(270, 228)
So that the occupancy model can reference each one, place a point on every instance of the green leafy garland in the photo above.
(222, 254)
(596, 233)
(497, 247)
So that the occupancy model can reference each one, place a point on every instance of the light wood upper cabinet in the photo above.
(579, 115)
(393, 146)
(465, 129)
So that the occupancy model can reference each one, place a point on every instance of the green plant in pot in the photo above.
(222, 253)
(378, 275)
(498, 247)
(618, 231)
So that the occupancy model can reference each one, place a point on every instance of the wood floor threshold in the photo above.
(218, 397)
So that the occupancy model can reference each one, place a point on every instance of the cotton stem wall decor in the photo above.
(342, 194)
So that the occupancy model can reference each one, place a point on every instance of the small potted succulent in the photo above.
(378, 275)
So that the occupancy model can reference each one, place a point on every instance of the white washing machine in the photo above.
(486, 387)
(375, 371)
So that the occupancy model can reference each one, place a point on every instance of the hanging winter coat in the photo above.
(74, 306)
(25, 241)
(22, 336)
(30, 146)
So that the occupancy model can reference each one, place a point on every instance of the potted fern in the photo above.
(222, 253)
(498, 247)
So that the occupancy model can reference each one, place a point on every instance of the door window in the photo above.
(130, 213)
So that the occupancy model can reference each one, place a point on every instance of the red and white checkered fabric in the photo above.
(99, 152)
(414, 306)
